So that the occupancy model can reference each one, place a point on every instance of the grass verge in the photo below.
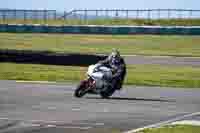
(116, 21)
(148, 75)
(173, 129)
(127, 44)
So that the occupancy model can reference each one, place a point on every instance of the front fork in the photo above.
(90, 84)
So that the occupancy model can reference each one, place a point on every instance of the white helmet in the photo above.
(115, 56)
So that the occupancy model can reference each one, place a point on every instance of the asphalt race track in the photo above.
(42, 108)
(163, 60)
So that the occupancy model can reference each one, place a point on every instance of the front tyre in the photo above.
(80, 90)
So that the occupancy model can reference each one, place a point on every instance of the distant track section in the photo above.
(50, 58)
(80, 59)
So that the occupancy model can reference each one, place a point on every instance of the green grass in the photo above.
(12, 71)
(173, 129)
(148, 75)
(127, 44)
(158, 75)
(163, 22)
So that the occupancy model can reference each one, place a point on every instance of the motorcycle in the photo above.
(98, 82)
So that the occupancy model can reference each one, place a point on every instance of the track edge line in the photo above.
(162, 123)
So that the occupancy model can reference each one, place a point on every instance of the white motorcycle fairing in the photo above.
(97, 73)
(98, 82)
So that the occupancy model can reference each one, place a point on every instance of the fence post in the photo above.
(25, 17)
(64, 17)
(158, 13)
(35, 15)
(180, 14)
(116, 14)
(190, 14)
(137, 14)
(45, 16)
(4, 16)
(55, 15)
(96, 13)
(15, 14)
(169, 14)
(85, 15)
(149, 14)
(106, 13)
(74, 14)
(127, 14)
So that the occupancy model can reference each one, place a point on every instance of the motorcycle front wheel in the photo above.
(80, 91)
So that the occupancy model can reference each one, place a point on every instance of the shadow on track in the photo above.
(132, 99)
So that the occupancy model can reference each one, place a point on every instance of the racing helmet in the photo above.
(115, 57)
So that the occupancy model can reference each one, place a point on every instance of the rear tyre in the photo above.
(106, 94)
(80, 90)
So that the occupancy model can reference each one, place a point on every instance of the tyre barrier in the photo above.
(89, 29)
(50, 58)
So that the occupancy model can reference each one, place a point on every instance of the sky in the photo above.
(68, 5)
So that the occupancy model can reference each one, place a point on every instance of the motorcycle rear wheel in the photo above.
(106, 94)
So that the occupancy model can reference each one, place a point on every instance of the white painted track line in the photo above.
(54, 124)
(187, 122)
(163, 123)
(40, 82)
(154, 56)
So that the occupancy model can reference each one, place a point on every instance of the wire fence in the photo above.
(27, 16)
(135, 14)
(54, 17)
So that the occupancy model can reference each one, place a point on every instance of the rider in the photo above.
(118, 66)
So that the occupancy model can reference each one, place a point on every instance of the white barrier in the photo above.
(95, 29)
